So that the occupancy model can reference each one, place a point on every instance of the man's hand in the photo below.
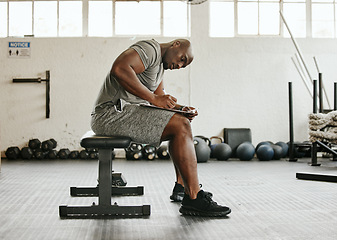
(191, 112)
(164, 101)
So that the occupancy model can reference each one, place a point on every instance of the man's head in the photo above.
(177, 54)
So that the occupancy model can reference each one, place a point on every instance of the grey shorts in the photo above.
(144, 125)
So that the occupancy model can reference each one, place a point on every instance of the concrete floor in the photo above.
(266, 199)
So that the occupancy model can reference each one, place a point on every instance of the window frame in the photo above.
(85, 18)
(282, 29)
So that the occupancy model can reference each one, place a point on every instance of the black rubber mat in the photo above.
(266, 199)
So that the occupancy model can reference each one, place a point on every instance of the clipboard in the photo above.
(167, 109)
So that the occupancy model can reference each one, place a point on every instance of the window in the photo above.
(98, 18)
(222, 19)
(138, 18)
(20, 14)
(294, 12)
(231, 18)
(176, 19)
(3, 19)
(324, 18)
(70, 18)
(45, 19)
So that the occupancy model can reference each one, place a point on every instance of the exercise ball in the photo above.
(222, 151)
(202, 150)
(277, 151)
(262, 143)
(265, 153)
(284, 147)
(245, 151)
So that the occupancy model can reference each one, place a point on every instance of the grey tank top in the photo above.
(112, 92)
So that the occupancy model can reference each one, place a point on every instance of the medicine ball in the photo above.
(265, 153)
(262, 143)
(202, 150)
(284, 147)
(245, 151)
(222, 151)
(277, 151)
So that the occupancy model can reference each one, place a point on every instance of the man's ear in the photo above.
(176, 43)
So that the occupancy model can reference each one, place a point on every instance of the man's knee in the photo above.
(178, 124)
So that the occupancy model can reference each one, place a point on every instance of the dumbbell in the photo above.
(84, 154)
(74, 154)
(163, 152)
(12, 153)
(134, 151)
(49, 144)
(149, 152)
(27, 153)
(39, 153)
(92, 153)
(34, 143)
(63, 153)
(52, 154)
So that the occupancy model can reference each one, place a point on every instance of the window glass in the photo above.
(20, 18)
(3, 19)
(294, 14)
(136, 18)
(322, 20)
(175, 18)
(221, 19)
(100, 18)
(70, 18)
(247, 18)
(45, 19)
(269, 18)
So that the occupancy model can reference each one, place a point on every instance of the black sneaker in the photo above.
(203, 206)
(179, 192)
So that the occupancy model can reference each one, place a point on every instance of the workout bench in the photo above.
(105, 189)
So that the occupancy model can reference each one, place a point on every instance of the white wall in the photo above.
(234, 82)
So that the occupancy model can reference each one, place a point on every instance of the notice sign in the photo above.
(19, 49)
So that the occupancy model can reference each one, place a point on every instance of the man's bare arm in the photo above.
(125, 70)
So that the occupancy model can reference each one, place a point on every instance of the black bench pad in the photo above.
(91, 140)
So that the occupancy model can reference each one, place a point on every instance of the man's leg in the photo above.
(195, 202)
(179, 133)
(178, 176)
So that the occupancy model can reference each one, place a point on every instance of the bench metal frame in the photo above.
(104, 190)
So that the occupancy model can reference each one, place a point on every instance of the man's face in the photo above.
(177, 56)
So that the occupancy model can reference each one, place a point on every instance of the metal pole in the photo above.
(335, 96)
(319, 72)
(302, 76)
(320, 92)
(291, 125)
(296, 46)
(314, 144)
(47, 94)
(335, 107)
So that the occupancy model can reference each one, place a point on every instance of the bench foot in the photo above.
(94, 191)
(101, 211)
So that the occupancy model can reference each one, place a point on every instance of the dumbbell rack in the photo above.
(39, 80)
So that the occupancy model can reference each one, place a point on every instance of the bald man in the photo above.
(136, 78)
